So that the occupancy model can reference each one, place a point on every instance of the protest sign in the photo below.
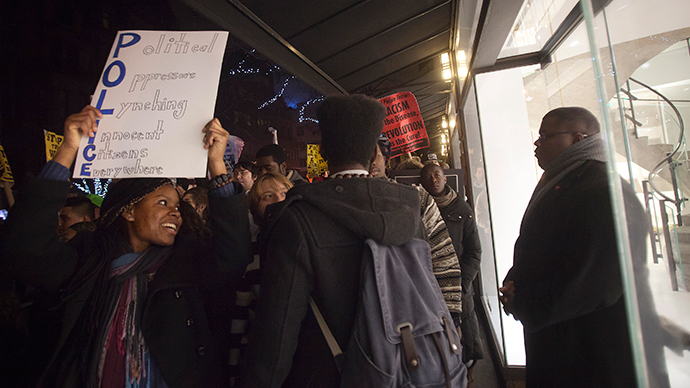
(233, 150)
(5, 172)
(316, 166)
(156, 93)
(52, 141)
(403, 124)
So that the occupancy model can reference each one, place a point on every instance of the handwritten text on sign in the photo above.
(157, 91)
(403, 124)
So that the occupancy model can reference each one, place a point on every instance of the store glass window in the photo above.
(637, 82)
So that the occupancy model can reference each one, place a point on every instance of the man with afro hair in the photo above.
(314, 244)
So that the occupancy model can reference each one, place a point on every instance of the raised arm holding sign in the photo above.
(141, 255)
(84, 124)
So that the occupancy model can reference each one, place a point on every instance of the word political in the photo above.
(181, 46)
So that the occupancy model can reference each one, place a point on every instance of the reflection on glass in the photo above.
(652, 61)
(537, 21)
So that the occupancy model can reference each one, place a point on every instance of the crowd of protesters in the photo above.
(178, 283)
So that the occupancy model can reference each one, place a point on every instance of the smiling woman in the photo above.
(172, 289)
(153, 219)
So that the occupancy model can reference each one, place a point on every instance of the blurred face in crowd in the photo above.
(244, 177)
(198, 207)
(433, 179)
(66, 218)
(154, 220)
(272, 192)
(267, 164)
(378, 166)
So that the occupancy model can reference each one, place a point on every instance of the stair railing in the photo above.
(671, 160)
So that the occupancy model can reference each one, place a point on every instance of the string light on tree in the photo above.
(100, 189)
(280, 94)
(304, 106)
(242, 70)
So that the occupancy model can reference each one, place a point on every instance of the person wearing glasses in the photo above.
(565, 285)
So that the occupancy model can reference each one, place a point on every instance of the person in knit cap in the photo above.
(145, 305)
(565, 285)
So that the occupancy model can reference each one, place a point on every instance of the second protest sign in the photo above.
(403, 124)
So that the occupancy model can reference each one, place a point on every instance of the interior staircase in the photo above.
(668, 165)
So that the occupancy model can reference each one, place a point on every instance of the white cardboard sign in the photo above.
(157, 91)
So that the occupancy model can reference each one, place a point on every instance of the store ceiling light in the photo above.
(462, 71)
(445, 59)
(445, 67)
(462, 64)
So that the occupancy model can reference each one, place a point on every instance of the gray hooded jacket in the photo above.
(313, 246)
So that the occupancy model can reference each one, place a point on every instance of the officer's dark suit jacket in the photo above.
(568, 286)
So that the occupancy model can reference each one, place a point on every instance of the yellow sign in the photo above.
(5, 172)
(316, 166)
(53, 141)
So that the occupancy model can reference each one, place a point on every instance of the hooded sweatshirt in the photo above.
(313, 247)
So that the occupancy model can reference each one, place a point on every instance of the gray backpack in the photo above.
(403, 335)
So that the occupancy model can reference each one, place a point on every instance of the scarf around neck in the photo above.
(590, 148)
(446, 198)
(122, 353)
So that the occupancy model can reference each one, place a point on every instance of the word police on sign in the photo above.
(157, 91)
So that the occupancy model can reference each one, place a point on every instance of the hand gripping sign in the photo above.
(157, 91)
(403, 124)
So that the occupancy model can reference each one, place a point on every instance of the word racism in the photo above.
(403, 124)
(160, 84)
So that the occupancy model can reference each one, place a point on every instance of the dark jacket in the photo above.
(314, 248)
(568, 287)
(185, 314)
(462, 229)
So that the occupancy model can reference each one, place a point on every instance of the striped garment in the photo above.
(445, 262)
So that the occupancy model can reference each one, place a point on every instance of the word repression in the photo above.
(142, 79)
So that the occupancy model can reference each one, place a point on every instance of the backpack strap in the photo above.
(330, 339)
(409, 349)
(444, 360)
